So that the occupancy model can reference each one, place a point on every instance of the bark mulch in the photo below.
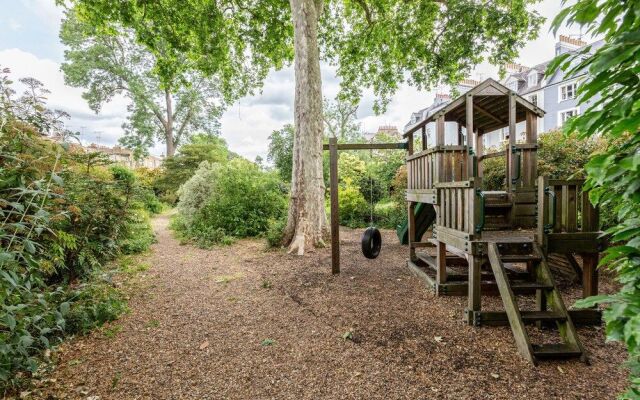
(240, 322)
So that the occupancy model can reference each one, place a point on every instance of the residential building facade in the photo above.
(555, 94)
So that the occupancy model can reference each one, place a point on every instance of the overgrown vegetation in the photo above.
(61, 219)
(611, 91)
(222, 201)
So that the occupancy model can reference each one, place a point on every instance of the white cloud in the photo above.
(46, 11)
(63, 97)
(14, 25)
(247, 124)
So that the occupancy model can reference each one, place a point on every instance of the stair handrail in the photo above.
(548, 228)
(480, 226)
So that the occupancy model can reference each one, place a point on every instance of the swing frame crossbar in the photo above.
(333, 148)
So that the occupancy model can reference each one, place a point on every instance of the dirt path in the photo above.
(241, 323)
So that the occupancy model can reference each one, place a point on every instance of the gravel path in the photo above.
(240, 322)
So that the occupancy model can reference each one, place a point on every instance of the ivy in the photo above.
(612, 91)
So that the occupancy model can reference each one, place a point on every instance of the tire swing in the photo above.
(371, 238)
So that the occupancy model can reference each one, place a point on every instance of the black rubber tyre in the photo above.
(371, 242)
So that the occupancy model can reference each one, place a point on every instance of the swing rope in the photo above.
(371, 187)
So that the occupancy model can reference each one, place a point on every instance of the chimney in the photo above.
(441, 98)
(566, 44)
(467, 84)
(513, 68)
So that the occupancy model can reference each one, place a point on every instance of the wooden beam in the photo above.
(424, 138)
(441, 260)
(511, 166)
(335, 218)
(489, 115)
(440, 131)
(368, 146)
(470, 132)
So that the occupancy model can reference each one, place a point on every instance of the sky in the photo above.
(30, 47)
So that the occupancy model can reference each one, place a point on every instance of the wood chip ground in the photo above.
(240, 322)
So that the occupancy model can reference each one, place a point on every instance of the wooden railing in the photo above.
(435, 165)
(567, 222)
(459, 207)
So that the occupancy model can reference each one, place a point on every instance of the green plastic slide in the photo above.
(425, 216)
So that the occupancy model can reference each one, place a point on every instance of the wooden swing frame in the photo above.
(333, 148)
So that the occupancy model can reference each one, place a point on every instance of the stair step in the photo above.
(560, 350)
(542, 316)
(499, 205)
(495, 227)
(510, 258)
(516, 286)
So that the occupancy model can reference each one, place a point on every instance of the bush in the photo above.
(63, 215)
(275, 232)
(235, 199)
(352, 205)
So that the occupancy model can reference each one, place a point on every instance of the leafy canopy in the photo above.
(378, 44)
(612, 90)
(162, 107)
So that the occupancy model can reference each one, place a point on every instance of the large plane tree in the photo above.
(372, 43)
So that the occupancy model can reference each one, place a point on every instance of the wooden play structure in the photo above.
(504, 243)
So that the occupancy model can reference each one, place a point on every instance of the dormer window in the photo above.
(533, 79)
(513, 85)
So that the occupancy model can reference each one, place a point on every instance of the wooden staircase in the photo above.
(497, 208)
(551, 308)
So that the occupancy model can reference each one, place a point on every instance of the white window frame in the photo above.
(514, 83)
(533, 75)
(566, 85)
(530, 98)
(575, 110)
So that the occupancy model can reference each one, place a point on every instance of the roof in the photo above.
(542, 67)
(490, 108)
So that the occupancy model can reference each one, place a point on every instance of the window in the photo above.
(568, 92)
(534, 99)
(565, 115)
(533, 79)
(513, 85)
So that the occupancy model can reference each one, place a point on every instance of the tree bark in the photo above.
(168, 129)
(307, 219)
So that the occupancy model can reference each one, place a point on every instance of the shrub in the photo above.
(352, 205)
(62, 216)
(275, 232)
(234, 199)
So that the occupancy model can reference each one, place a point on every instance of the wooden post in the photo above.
(479, 151)
(470, 133)
(474, 300)
(530, 156)
(411, 216)
(424, 137)
(441, 260)
(511, 166)
(589, 275)
(440, 175)
(335, 217)
(543, 212)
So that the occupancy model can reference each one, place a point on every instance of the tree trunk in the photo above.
(168, 129)
(307, 219)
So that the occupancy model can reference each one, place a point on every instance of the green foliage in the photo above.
(612, 91)
(352, 205)
(181, 167)
(275, 232)
(235, 199)
(61, 219)
(378, 46)
(561, 156)
(109, 62)
(281, 151)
